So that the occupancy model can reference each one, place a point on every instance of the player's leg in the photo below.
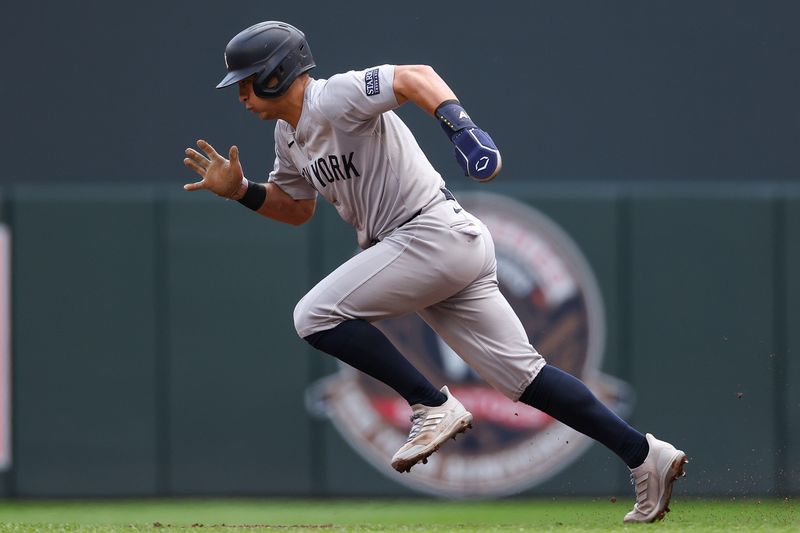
(364, 347)
(420, 264)
(654, 464)
(480, 325)
(437, 415)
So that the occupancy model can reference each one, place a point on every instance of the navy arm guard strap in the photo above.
(475, 151)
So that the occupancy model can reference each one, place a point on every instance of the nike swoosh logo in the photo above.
(457, 210)
(291, 143)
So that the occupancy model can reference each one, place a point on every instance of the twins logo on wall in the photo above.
(512, 446)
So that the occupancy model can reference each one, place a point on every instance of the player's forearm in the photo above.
(421, 85)
(281, 207)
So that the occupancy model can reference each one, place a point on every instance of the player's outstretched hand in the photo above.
(221, 176)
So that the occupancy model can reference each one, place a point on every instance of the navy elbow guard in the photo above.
(475, 151)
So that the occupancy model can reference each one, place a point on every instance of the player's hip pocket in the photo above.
(466, 227)
(462, 222)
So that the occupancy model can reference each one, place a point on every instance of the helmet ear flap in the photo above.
(265, 82)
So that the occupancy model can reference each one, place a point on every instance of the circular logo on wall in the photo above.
(512, 446)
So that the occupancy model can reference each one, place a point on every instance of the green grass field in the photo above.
(559, 515)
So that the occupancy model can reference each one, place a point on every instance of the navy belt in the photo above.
(447, 196)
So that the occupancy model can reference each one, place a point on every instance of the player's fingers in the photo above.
(196, 186)
(208, 149)
(233, 154)
(197, 158)
(194, 166)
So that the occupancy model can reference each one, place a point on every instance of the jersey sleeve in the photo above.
(285, 175)
(356, 97)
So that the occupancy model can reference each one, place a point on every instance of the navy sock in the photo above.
(568, 400)
(362, 346)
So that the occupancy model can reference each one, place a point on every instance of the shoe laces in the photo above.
(421, 421)
(417, 420)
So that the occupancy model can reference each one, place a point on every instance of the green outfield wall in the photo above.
(154, 352)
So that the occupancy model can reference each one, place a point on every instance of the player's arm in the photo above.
(421, 85)
(224, 177)
(475, 150)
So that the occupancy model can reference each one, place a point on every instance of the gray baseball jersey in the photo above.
(357, 153)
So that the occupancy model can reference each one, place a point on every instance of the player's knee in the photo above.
(310, 317)
(301, 318)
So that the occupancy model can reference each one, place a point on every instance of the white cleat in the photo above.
(431, 427)
(653, 481)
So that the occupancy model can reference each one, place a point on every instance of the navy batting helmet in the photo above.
(275, 52)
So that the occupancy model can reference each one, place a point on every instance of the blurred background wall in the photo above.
(661, 135)
(572, 90)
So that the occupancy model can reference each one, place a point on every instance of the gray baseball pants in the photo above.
(440, 265)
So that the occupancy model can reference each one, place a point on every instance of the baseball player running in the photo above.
(422, 252)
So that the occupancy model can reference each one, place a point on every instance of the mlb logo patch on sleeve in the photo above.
(372, 82)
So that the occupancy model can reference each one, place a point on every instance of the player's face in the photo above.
(265, 108)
